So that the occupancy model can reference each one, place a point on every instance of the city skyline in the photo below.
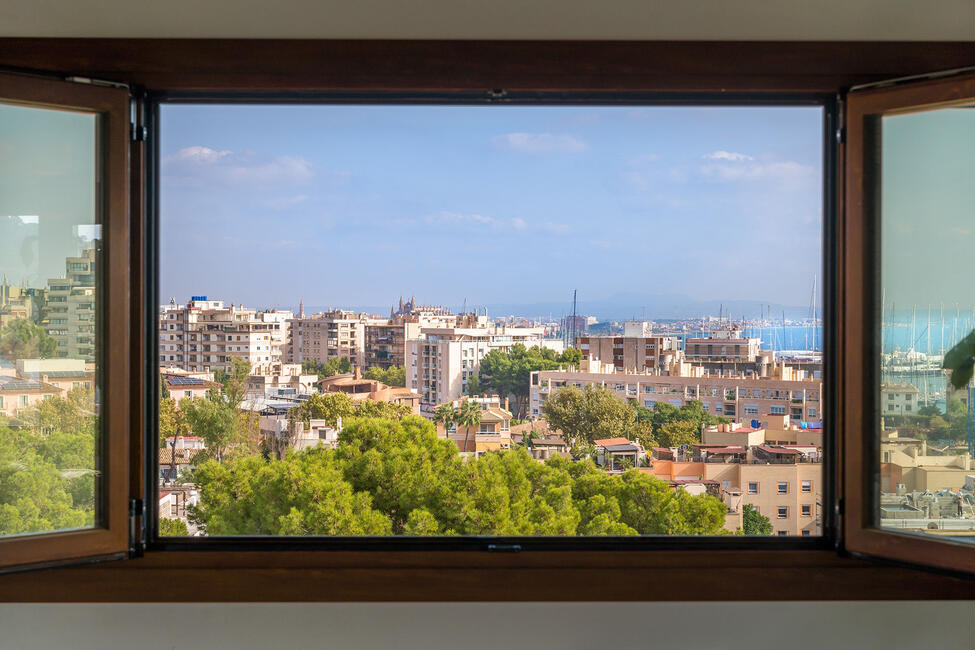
(354, 204)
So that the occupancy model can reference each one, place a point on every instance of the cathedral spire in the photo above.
(301, 308)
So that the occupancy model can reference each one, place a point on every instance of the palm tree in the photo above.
(446, 415)
(469, 415)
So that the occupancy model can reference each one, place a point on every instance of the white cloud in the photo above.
(559, 228)
(539, 143)
(460, 218)
(727, 155)
(285, 202)
(751, 169)
(518, 224)
(199, 166)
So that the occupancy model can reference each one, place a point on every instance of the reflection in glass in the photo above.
(49, 253)
(928, 295)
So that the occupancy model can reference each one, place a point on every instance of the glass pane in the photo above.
(49, 255)
(490, 320)
(928, 236)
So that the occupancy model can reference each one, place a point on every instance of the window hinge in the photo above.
(103, 83)
(140, 133)
(137, 545)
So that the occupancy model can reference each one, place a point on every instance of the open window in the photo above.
(65, 386)
(908, 310)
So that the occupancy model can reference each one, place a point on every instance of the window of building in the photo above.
(782, 512)
(753, 487)
(806, 486)
(805, 510)
(782, 487)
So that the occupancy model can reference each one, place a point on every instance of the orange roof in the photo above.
(609, 442)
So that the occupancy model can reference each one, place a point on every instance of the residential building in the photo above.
(618, 454)
(204, 335)
(328, 335)
(740, 398)
(638, 350)
(492, 433)
(727, 353)
(359, 389)
(69, 316)
(277, 379)
(18, 303)
(541, 440)
(18, 394)
(899, 399)
(788, 492)
(182, 386)
(440, 362)
(66, 374)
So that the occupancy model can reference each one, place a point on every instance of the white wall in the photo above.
(515, 626)
(505, 19)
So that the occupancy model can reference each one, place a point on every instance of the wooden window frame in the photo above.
(861, 258)
(682, 68)
(109, 537)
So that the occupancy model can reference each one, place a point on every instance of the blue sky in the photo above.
(355, 205)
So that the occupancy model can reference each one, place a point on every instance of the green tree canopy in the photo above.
(588, 414)
(22, 339)
(397, 477)
(509, 373)
(392, 376)
(754, 523)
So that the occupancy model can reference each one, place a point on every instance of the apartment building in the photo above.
(638, 350)
(70, 313)
(66, 374)
(18, 394)
(786, 490)
(205, 335)
(276, 379)
(18, 303)
(727, 352)
(899, 399)
(440, 363)
(329, 335)
(740, 398)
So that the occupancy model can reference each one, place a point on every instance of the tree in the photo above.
(324, 406)
(172, 421)
(223, 427)
(172, 528)
(22, 339)
(754, 523)
(303, 494)
(509, 373)
(929, 410)
(474, 385)
(234, 382)
(445, 415)
(468, 416)
(677, 433)
(334, 366)
(571, 356)
(392, 376)
(588, 414)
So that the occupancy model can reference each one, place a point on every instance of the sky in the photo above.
(47, 191)
(928, 210)
(352, 206)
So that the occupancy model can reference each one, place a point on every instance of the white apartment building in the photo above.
(742, 399)
(204, 335)
(70, 312)
(899, 399)
(439, 364)
(329, 335)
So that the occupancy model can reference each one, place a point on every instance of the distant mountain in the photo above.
(624, 306)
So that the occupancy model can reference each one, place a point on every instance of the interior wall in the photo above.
(789, 20)
(436, 626)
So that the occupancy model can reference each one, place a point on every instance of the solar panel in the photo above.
(10, 383)
(176, 380)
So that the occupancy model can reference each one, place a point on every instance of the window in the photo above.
(805, 510)
(61, 471)
(777, 410)
(782, 512)
(782, 487)
(753, 487)
(806, 486)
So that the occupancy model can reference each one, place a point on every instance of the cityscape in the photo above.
(559, 374)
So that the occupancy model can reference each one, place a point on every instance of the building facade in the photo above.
(69, 316)
(204, 335)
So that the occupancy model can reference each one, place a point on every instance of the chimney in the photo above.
(506, 403)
